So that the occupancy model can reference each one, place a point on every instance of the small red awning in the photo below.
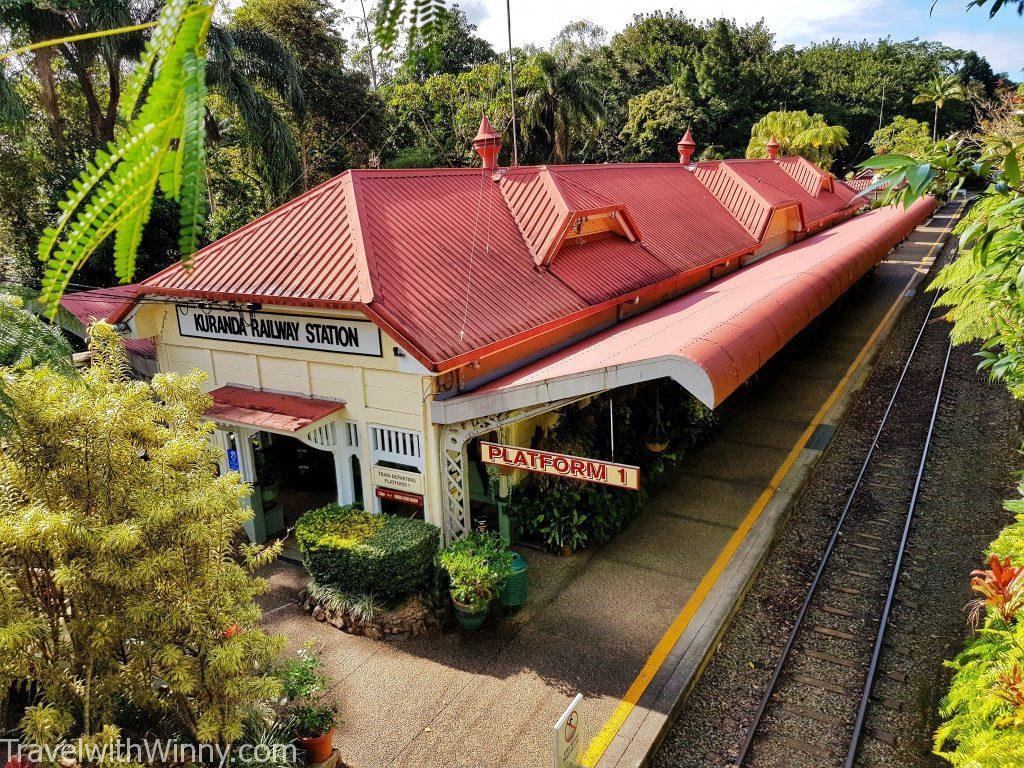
(269, 410)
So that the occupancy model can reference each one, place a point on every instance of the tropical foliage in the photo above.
(941, 89)
(26, 341)
(798, 133)
(570, 514)
(903, 136)
(984, 709)
(124, 597)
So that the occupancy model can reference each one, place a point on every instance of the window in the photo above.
(397, 446)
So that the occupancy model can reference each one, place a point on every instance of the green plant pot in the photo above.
(513, 594)
(468, 618)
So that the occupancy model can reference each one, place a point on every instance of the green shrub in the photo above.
(365, 554)
(477, 567)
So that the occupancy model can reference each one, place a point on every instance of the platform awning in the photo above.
(269, 410)
(713, 339)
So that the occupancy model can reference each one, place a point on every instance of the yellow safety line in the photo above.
(603, 739)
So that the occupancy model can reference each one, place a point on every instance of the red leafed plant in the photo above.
(1000, 588)
(1011, 686)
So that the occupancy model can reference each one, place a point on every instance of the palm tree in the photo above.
(798, 133)
(243, 64)
(941, 89)
(567, 101)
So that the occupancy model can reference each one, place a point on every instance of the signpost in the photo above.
(567, 739)
(397, 479)
(563, 465)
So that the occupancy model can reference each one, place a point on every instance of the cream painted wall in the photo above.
(779, 233)
(376, 390)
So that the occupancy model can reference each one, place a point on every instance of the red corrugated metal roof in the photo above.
(770, 178)
(623, 266)
(712, 339)
(806, 174)
(751, 208)
(100, 303)
(446, 259)
(681, 222)
(264, 410)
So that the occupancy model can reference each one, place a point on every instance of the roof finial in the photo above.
(487, 143)
(773, 147)
(686, 146)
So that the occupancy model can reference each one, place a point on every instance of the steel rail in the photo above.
(805, 606)
(858, 727)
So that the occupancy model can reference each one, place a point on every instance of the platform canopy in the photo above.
(270, 410)
(713, 339)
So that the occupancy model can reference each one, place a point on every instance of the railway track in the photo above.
(816, 708)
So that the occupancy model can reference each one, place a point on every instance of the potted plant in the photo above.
(304, 687)
(477, 568)
(315, 719)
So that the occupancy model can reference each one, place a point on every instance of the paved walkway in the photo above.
(593, 620)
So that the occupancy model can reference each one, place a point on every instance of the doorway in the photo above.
(291, 478)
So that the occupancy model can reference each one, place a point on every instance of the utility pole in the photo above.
(881, 109)
(512, 83)
(369, 45)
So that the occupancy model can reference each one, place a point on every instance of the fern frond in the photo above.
(114, 194)
(160, 41)
(191, 187)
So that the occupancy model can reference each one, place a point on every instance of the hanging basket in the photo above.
(657, 438)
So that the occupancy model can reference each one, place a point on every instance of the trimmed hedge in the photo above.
(365, 554)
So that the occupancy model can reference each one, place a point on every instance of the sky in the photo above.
(1000, 40)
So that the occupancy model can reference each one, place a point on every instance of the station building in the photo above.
(360, 340)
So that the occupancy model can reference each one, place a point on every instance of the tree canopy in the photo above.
(798, 133)
(122, 589)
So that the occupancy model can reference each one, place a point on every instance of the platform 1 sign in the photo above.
(567, 739)
(562, 465)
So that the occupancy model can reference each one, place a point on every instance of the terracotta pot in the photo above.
(318, 749)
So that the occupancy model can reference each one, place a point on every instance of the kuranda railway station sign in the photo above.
(326, 334)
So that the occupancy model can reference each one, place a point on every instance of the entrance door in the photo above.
(292, 478)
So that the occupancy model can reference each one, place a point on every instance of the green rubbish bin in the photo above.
(513, 594)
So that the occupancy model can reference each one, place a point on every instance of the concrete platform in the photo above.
(627, 625)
